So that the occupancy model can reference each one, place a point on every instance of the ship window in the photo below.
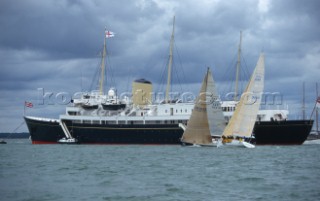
(166, 111)
(72, 113)
(181, 110)
(186, 110)
(176, 111)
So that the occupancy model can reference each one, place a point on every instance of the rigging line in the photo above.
(179, 58)
(112, 79)
(230, 67)
(81, 84)
(181, 66)
(177, 77)
(129, 77)
(95, 79)
(166, 61)
(164, 65)
(23, 122)
(162, 78)
(229, 76)
(247, 74)
(313, 110)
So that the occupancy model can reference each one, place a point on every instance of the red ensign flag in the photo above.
(28, 104)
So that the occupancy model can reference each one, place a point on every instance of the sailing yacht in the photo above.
(241, 124)
(206, 119)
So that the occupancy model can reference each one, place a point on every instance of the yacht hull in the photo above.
(235, 143)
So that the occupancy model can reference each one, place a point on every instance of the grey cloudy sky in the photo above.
(55, 45)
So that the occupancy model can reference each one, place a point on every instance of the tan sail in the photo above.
(244, 117)
(198, 128)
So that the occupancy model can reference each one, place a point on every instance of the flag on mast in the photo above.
(109, 34)
(28, 104)
(318, 101)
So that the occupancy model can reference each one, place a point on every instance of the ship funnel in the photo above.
(141, 92)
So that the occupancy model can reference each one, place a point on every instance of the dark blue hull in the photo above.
(266, 133)
(293, 132)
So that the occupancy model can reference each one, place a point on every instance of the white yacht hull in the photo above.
(235, 143)
(213, 144)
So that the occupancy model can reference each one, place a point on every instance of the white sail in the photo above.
(244, 117)
(207, 117)
(216, 119)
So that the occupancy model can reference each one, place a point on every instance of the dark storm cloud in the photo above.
(64, 29)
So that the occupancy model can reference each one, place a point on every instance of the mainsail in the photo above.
(244, 117)
(207, 117)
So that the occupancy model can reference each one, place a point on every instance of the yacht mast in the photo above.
(238, 68)
(170, 63)
(101, 91)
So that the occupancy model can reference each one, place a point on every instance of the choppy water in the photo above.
(99, 172)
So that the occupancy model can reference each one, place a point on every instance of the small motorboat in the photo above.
(3, 142)
(68, 141)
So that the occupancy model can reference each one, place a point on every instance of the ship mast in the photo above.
(317, 110)
(238, 68)
(303, 102)
(101, 91)
(170, 63)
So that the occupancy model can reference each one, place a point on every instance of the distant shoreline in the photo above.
(14, 135)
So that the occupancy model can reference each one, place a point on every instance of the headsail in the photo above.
(207, 117)
(244, 117)
(216, 119)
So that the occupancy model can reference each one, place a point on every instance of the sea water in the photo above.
(136, 172)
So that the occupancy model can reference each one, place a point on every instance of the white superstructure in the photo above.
(164, 113)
